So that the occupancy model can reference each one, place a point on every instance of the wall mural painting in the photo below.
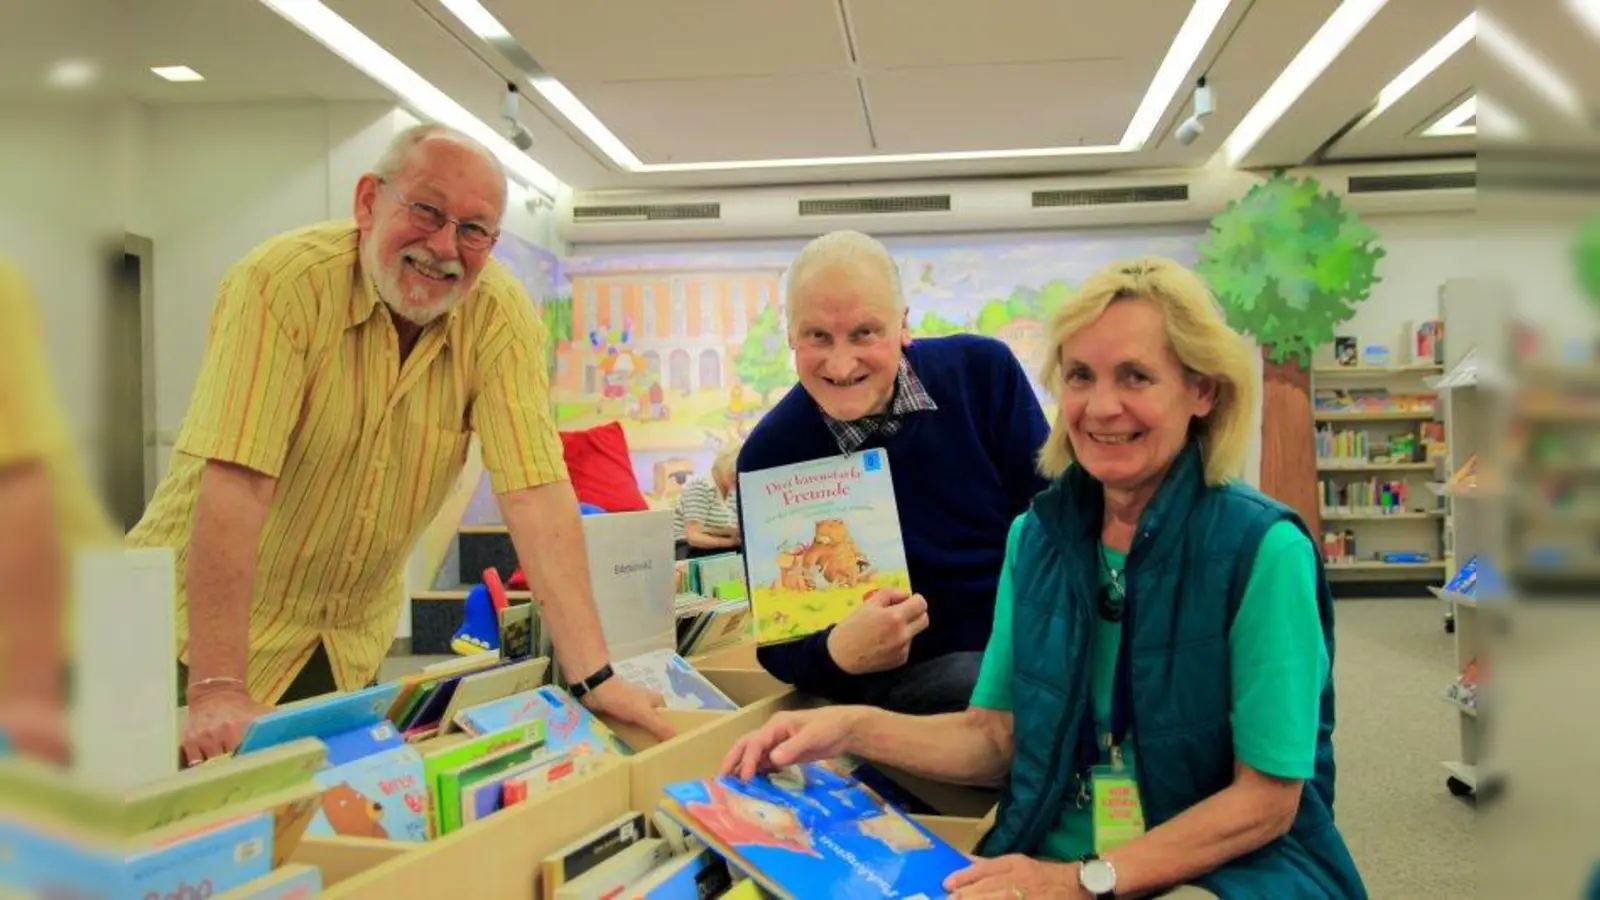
(687, 348)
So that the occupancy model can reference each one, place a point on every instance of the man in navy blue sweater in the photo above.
(961, 426)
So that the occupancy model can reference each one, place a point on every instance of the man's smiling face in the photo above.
(847, 335)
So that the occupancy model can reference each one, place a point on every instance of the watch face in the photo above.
(1098, 877)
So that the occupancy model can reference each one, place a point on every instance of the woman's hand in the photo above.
(791, 738)
(1016, 877)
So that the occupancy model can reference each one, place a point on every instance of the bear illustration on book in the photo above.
(353, 814)
(832, 553)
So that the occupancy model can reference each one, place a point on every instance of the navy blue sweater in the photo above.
(961, 474)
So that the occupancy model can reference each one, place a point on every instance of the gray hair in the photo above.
(395, 156)
(850, 249)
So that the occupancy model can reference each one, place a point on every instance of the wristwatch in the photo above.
(579, 688)
(1097, 876)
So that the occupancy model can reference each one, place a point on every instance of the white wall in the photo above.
(56, 213)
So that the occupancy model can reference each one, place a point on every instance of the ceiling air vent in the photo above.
(1428, 181)
(866, 206)
(650, 212)
(1155, 193)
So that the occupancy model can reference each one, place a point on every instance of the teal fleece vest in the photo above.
(1190, 560)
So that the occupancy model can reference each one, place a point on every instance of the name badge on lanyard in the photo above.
(1118, 814)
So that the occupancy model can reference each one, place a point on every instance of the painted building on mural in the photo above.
(685, 325)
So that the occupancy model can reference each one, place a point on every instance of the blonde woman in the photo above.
(706, 518)
(1163, 638)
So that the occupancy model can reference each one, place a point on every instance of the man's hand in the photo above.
(216, 722)
(876, 636)
(1013, 876)
(791, 738)
(628, 702)
(36, 727)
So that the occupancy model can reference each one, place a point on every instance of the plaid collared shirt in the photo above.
(909, 397)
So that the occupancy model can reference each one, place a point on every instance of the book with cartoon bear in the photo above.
(810, 832)
(819, 537)
(382, 796)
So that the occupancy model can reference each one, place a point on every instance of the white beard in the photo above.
(419, 310)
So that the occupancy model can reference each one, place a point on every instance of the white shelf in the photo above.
(1374, 415)
(1334, 515)
(1378, 371)
(1329, 465)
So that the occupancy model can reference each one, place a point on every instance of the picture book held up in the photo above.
(819, 537)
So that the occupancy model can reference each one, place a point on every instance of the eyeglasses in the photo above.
(430, 218)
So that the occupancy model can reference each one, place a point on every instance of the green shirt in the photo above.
(1278, 658)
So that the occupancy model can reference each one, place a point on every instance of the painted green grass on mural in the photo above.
(1288, 263)
(781, 617)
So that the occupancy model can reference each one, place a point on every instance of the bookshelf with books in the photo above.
(1377, 443)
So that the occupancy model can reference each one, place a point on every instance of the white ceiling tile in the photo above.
(1003, 107)
(918, 33)
(638, 40)
(696, 120)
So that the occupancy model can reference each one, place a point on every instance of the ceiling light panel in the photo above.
(344, 39)
(177, 73)
(1347, 21)
(1455, 123)
(1424, 65)
(1171, 80)
(1529, 66)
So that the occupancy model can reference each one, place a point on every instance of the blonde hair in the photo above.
(726, 458)
(1198, 335)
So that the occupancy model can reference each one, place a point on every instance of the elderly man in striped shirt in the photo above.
(349, 365)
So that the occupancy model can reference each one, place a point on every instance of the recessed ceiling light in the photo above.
(1422, 67)
(1191, 39)
(177, 73)
(73, 73)
(332, 31)
(1454, 122)
(1313, 59)
(1532, 68)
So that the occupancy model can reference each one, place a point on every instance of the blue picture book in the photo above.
(321, 717)
(679, 684)
(568, 725)
(821, 835)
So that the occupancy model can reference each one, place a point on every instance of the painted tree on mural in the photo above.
(1289, 263)
(1586, 260)
(934, 325)
(557, 315)
(763, 363)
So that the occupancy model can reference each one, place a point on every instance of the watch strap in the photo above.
(580, 688)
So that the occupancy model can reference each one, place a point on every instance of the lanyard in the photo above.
(1090, 738)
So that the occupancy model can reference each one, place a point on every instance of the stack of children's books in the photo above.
(706, 624)
(228, 826)
(811, 831)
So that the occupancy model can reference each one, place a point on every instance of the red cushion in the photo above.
(601, 469)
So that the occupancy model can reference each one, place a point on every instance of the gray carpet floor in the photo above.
(1411, 838)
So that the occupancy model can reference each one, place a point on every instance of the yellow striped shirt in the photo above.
(302, 381)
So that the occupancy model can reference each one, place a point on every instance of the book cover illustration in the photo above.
(676, 680)
(568, 726)
(296, 881)
(819, 536)
(382, 796)
(824, 835)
